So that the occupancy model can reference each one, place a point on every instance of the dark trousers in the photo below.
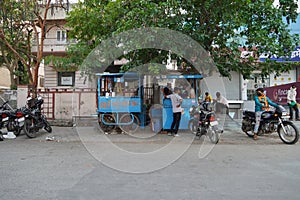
(295, 107)
(176, 122)
(221, 108)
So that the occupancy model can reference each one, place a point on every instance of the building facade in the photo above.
(55, 44)
(67, 95)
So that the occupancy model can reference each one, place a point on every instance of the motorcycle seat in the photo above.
(249, 113)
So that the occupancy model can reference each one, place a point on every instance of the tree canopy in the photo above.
(23, 25)
(222, 28)
(14, 43)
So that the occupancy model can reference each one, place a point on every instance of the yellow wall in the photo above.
(4, 78)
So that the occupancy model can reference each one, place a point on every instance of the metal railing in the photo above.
(55, 42)
(9, 95)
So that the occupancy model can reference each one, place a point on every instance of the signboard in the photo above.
(284, 78)
(295, 57)
(66, 80)
(278, 94)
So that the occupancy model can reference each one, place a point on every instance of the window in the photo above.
(61, 35)
(66, 79)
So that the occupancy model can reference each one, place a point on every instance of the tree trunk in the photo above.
(16, 54)
(11, 67)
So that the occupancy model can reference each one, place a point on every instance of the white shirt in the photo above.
(292, 93)
(223, 101)
(175, 99)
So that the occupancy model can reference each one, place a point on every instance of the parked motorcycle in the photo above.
(3, 115)
(34, 119)
(16, 121)
(13, 120)
(203, 122)
(272, 121)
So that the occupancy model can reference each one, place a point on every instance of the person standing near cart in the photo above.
(176, 100)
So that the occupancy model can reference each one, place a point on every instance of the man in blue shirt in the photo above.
(262, 103)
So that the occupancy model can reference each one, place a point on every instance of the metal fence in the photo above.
(148, 95)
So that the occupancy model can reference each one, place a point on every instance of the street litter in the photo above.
(10, 135)
(51, 138)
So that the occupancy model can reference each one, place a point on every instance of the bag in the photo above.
(292, 103)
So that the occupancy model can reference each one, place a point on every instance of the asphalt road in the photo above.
(80, 164)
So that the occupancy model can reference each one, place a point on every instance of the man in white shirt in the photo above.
(176, 108)
(291, 100)
(221, 103)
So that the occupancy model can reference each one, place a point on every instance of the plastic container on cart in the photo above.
(156, 125)
(156, 117)
(156, 111)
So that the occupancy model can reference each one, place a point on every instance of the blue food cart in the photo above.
(130, 100)
(119, 101)
(191, 81)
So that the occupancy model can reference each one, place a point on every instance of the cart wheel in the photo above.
(127, 125)
(108, 118)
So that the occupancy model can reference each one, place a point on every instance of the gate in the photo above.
(49, 103)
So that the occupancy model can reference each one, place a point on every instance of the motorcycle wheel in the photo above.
(16, 130)
(192, 126)
(289, 134)
(213, 134)
(29, 131)
(247, 129)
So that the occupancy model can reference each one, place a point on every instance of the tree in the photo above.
(221, 27)
(24, 21)
(9, 61)
(14, 35)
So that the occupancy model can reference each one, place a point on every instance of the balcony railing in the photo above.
(53, 45)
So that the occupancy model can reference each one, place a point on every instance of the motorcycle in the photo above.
(3, 115)
(34, 119)
(203, 122)
(272, 121)
(13, 120)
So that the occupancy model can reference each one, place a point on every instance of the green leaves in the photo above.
(220, 27)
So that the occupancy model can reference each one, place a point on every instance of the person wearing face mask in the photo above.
(262, 103)
(292, 103)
